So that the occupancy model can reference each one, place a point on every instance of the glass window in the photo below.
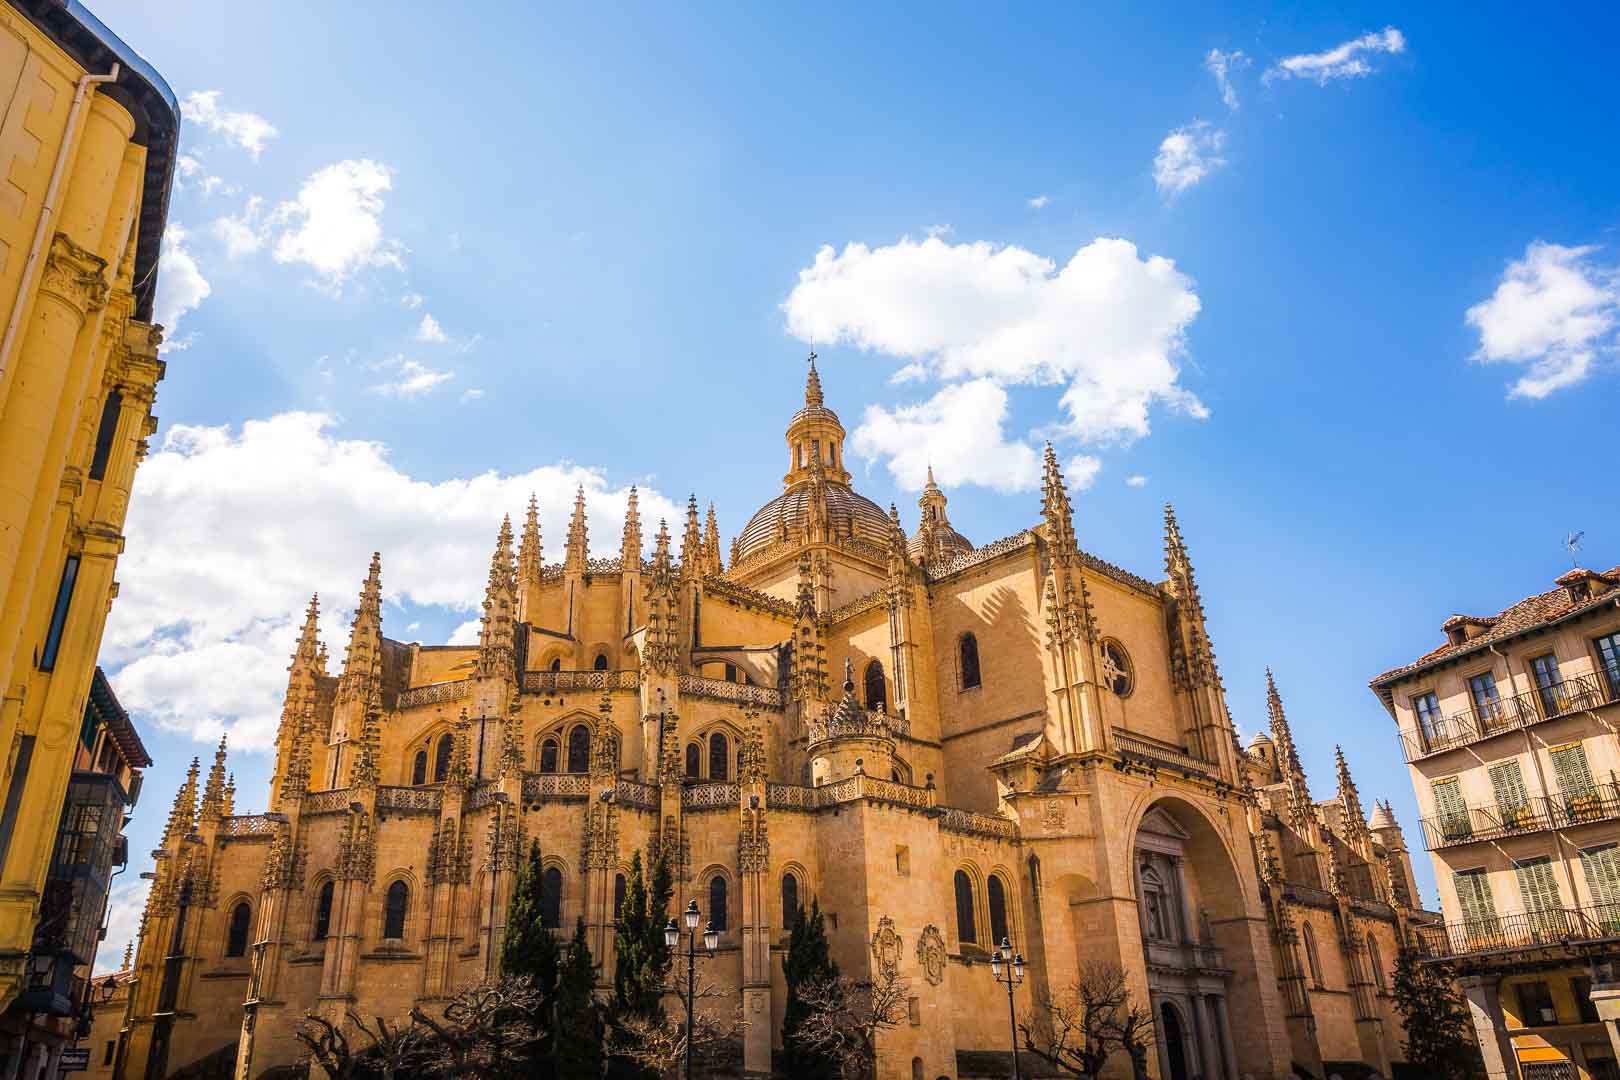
(419, 768)
(719, 756)
(1581, 987)
(1117, 669)
(717, 902)
(1536, 1004)
(1427, 708)
(64, 598)
(998, 911)
(876, 695)
(790, 901)
(551, 885)
(1608, 650)
(969, 648)
(441, 757)
(966, 928)
(1487, 702)
(620, 887)
(1549, 683)
(694, 761)
(579, 749)
(548, 756)
(394, 906)
(601, 662)
(556, 663)
(104, 434)
(1312, 961)
(236, 937)
(323, 912)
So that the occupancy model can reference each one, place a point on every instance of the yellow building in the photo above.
(1509, 729)
(87, 148)
(947, 745)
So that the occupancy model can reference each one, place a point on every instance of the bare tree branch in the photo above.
(846, 1016)
(1076, 1032)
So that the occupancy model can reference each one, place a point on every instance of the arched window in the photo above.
(790, 901)
(1117, 671)
(694, 760)
(323, 912)
(966, 928)
(717, 902)
(1312, 962)
(876, 696)
(998, 911)
(1377, 963)
(236, 938)
(601, 662)
(719, 756)
(441, 758)
(551, 898)
(619, 889)
(394, 906)
(419, 768)
(548, 756)
(579, 749)
(556, 663)
(969, 648)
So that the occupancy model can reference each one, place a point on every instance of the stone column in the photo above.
(1606, 999)
(1486, 1010)
(1224, 1027)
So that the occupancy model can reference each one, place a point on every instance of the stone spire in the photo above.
(1055, 506)
(1302, 811)
(812, 387)
(362, 662)
(1070, 616)
(711, 544)
(662, 649)
(230, 795)
(578, 553)
(1196, 663)
(530, 556)
(692, 543)
(129, 954)
(899, 562)
(461, 753)
(298, 710)
(496, 643)
(630, 546)
(212, 807)
(183, 815)
(809, 679)
(1355, 822)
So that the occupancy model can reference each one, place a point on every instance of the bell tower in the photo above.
(814, 436)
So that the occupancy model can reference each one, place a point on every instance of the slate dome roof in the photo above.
(846, 509)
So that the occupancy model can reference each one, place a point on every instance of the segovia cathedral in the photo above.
(945, 745)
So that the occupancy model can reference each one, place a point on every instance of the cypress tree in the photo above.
(577, 1037)
(528, 948)
(635, 984)
(658, 898)
(1438, 1027)
(808, 960)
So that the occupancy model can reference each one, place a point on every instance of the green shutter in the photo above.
(1453, 813)
(1478, 909)
(1512, 800)
(1539, 892)
(1602, 867)
(1578, 794)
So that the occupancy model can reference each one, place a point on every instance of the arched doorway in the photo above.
(1174, 1041)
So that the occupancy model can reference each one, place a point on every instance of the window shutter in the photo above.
(1448, 801)
(1507, 781)
(1537, 888)
(1602, 867)
(1573, 772)
(1474, 896)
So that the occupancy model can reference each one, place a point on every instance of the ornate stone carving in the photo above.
(931, 954)
(75, 275)
(886, 944)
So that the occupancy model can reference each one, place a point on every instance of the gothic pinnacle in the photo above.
(309, 645)
(529, 552)
(691, 542)
(183, 815)
(213, 799)
(812, 387)
(630, 547)
(711, 544)
(363, 659)
(578, 535)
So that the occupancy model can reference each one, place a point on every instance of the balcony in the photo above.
(1548, 928)
(1473, 724)
(1542, 812)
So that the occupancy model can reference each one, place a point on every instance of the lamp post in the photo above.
(1008, 969)
(711, 941)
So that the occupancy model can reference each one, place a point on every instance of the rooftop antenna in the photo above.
(1572, 543)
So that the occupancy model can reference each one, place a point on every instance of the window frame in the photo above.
(1123, 664)
(65, 588)
(965, 642)
(237, 931)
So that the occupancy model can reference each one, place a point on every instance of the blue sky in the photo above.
(1355, 315)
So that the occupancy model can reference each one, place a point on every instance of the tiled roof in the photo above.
(1527, 614)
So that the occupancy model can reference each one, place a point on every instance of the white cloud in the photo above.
(1038, 202)
(186, 165)
(1186, 156)
(1109, 325)
(334, 226)
(958, 431)
(411, 300)
(912, 372)
(1554, 310)
(413, 379)
(430, 330)
(466, 633)
(1136, 481)
(181, 285)
(471, 394)
(242, 234)
(1222, 65)
(1346, 61)
(1081, 472)
(209, 609)
(126, 900)
(248, 130)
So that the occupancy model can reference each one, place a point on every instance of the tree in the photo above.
(1076, 1032)
(528, 948)
(1439, 1032)
(577, 1032)
(808, 961)
(488, 1031)
(397, 1051)
(637, 982)
(388, 1053)
(844, 1017)
(656, 1045)
(326, 1045)
(659, 895)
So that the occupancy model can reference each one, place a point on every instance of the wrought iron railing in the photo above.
(1559, 811)
(1520, 930)
(1490, 718)
(1136, 746)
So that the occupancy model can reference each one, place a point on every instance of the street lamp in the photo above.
(1007, 967)
(711, 941)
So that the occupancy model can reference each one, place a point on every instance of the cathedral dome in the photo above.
(847, 511)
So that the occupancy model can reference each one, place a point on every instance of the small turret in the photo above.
(577, 556)
(692, 543)
(496, 633)
(663, 635)
(530, 559)
(362, 661)
(711, 544)
(212, 807)
(630, 545)
(183, 815)
(1354, 821)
